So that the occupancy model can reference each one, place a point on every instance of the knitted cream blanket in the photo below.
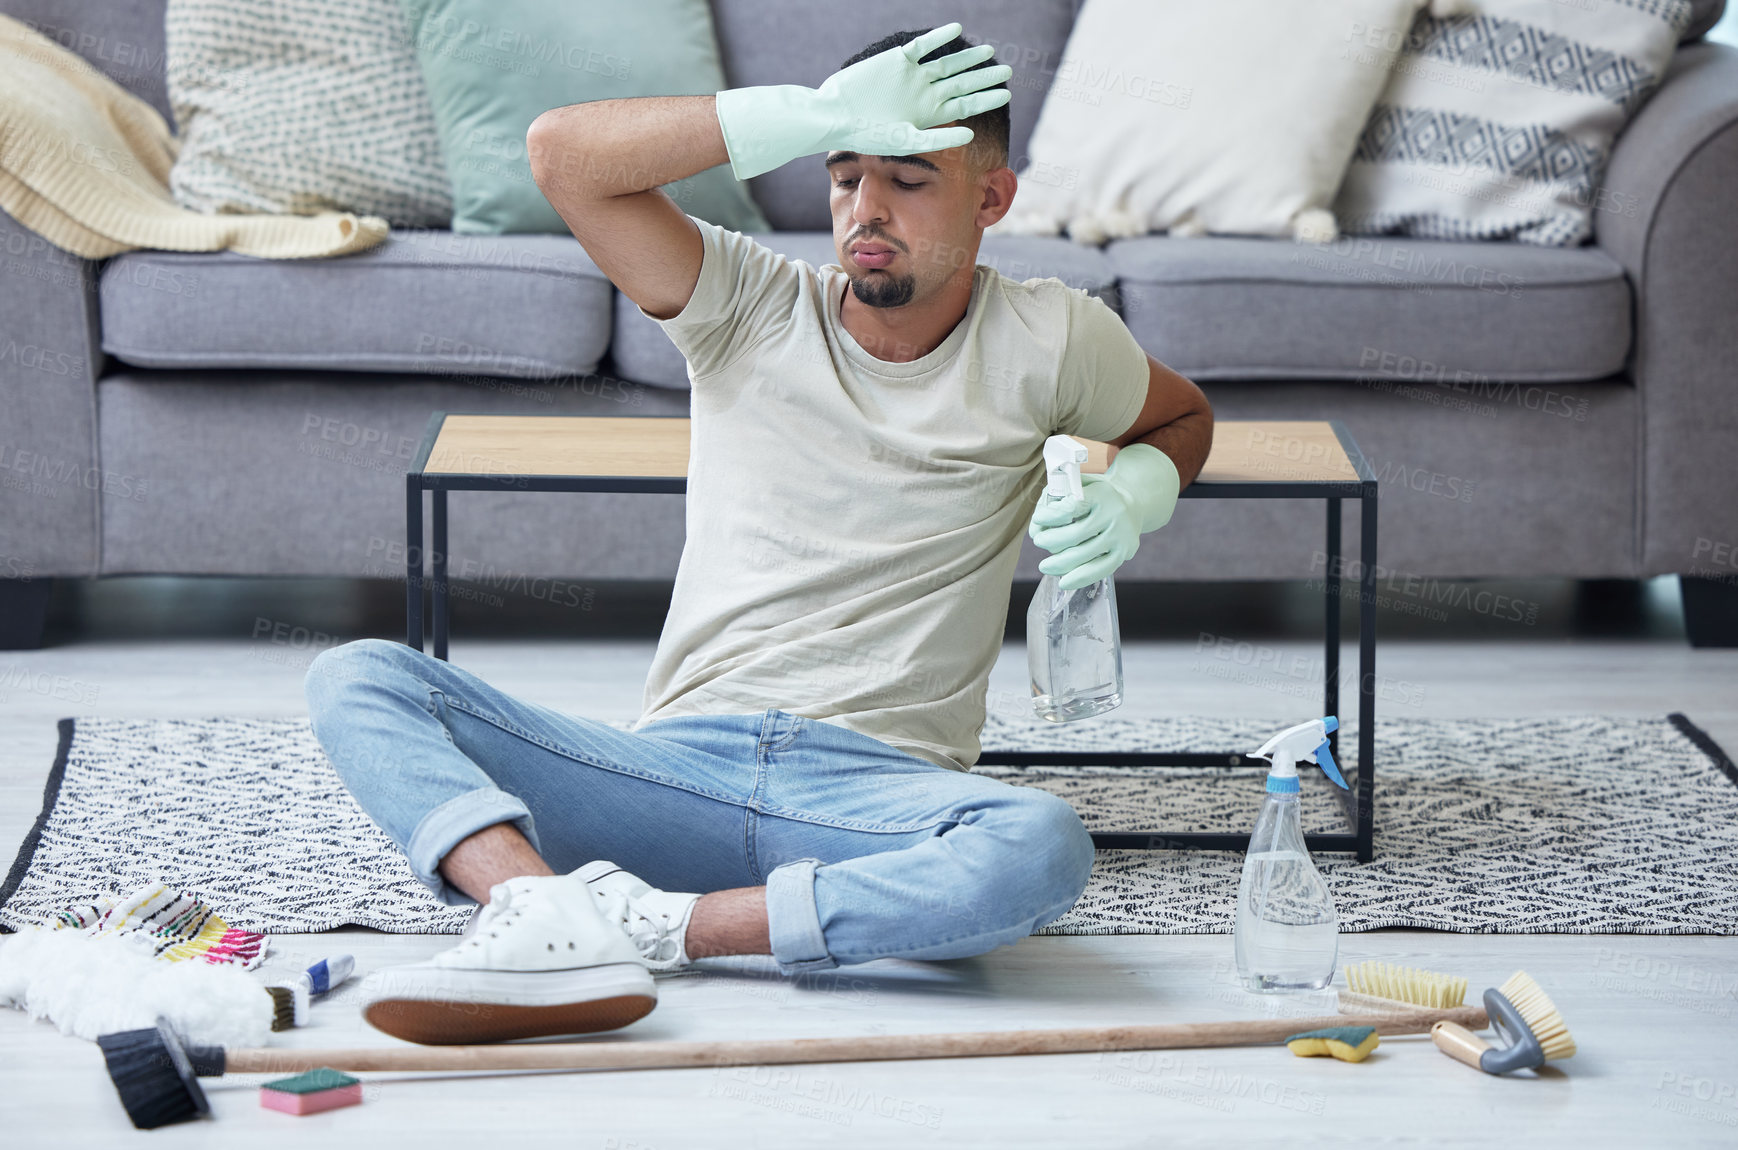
(85, 164)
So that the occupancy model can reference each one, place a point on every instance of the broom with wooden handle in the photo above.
(157, 1077)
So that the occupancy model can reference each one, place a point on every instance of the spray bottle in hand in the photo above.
(1287, 936)
(1073, 645)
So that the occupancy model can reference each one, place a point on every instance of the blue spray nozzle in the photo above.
(1325, 760)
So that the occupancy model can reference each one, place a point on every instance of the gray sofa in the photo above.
(1552, 412)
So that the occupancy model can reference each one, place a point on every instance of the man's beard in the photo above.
(882, 290)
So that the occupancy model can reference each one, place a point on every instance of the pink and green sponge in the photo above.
(311, 1093)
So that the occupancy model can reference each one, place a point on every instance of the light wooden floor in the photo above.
(1656, 1017)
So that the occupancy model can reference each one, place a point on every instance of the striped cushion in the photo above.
(1497, 123)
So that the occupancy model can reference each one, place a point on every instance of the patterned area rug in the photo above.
(1569, 825)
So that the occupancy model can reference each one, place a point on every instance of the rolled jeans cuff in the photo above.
(792, 920)
(452, 823)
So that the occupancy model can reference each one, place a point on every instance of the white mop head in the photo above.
(89, 985)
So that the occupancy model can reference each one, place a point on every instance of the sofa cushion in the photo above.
(1234, 308)
(303, 106)
(494, 66)
(641, 352)
(805, 41)
(526, 306)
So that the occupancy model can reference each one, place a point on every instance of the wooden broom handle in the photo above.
(861, 1048)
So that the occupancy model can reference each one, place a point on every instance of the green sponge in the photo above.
(1347, 1043)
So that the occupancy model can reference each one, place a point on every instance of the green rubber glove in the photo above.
(1089, 540)
(887, 105)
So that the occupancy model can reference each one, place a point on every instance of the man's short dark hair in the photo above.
(989, 146)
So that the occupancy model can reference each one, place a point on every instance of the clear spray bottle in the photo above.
(1287, 935)
(1073, 643)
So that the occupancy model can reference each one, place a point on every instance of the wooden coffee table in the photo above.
(1253, 459)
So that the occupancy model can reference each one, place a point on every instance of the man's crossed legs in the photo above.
(804, 840)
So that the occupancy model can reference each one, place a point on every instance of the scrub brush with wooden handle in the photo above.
(1378, 987)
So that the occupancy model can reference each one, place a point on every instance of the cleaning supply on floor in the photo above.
(1532, 1030)
(1287, 936)
(289, 1006)
(1347, 1043)
(312, 1092)
(156, 1074)
(92, 984)
(180, 926)
(292, 997)
(119, 962)
(1381, 986)
(1073, 642)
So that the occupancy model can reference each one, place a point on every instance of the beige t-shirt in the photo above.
(853, 524)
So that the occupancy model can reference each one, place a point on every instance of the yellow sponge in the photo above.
(1347, 1043)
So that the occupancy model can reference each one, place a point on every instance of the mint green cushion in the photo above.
(493, 66)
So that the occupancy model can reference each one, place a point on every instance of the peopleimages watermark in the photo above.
(1697, 1096)
(514, 49)
(1378, 261)
(1411, 594)
(771, 986)
(1185, 1078)
(287, 644)
(1667, 981)
(36, 357)
(63, 687)
(1301, 676)
(378, 449)
(391, 558)
(1079, 78)
(1390, 366)
(1403, 65)
(1715, 559)
(34, 473)
(775, 548)
(1390, 475)
(33, 257)
(822, 1096)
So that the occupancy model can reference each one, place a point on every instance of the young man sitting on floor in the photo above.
(866, 454)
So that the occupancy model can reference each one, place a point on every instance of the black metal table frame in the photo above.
(1358, 801)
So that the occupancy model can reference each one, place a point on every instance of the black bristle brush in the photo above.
(157, 1081)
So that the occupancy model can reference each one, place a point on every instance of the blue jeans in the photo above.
(865, 851)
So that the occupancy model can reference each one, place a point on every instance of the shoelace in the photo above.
(650, 936)
(499, 912)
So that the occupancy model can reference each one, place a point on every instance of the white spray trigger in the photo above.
(1306, 742)
(1063, 455)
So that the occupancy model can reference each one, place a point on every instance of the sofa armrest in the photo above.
(1667, 213)
(50, 353)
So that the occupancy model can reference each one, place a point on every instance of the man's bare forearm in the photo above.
(609, 148)
(1178, 420)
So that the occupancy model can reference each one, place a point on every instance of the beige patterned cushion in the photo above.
(302, 106)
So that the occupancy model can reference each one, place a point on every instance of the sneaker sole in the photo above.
(452, 1007)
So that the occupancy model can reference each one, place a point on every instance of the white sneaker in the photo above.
(656, 921)
(538, 959)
